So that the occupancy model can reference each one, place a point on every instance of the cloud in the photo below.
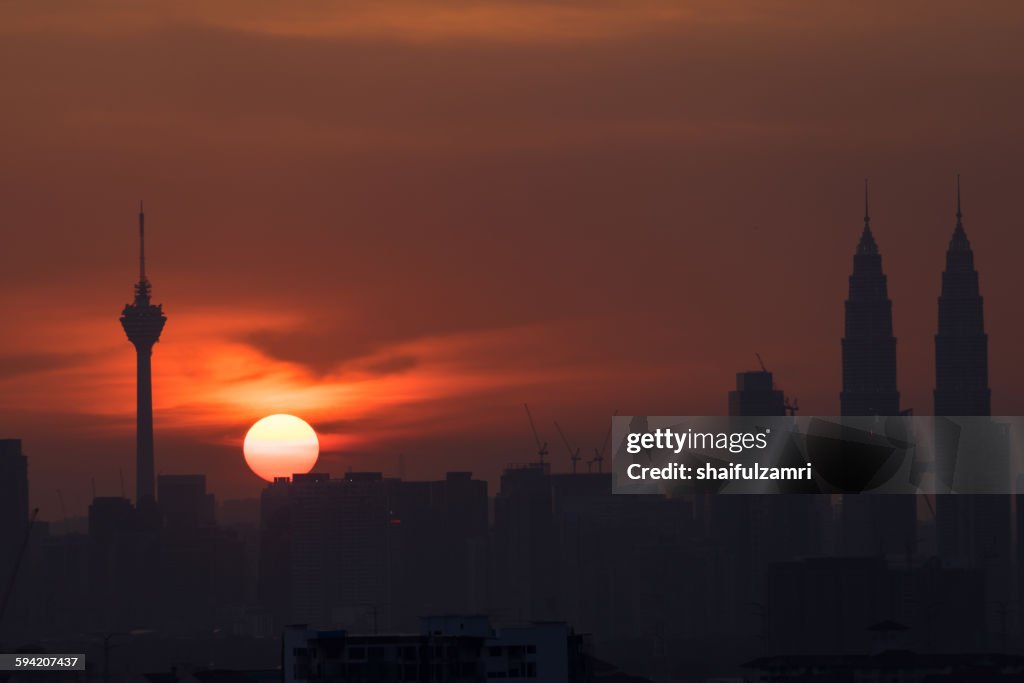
(17, 364)
(400, 20)
(210, 380)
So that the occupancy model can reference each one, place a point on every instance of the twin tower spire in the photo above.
(869, 345)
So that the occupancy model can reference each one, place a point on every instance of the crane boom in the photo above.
(542, 446)
(574, 455)
(599, 454)
(760, 362)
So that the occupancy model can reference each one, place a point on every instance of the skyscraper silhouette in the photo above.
(972, 530)
(872, 525)
(869, 347)
(143, 322)
(756, 395)
(13, 503)
(961, 345)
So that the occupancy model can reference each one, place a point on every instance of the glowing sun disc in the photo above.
(280, 446)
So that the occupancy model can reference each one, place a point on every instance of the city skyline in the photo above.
(396, 463)
(404, 265)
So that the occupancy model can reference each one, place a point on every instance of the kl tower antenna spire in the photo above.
(142, 243)
(143, 322)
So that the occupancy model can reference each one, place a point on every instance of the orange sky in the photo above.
(401, 220)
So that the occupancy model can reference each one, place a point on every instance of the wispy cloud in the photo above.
(210, 381)
(401, 20)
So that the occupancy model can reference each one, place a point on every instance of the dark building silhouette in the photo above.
(827, 605)
(764, 529)
(13, 505)
(872, 525)
(1019, 558)
(370, 552)
(122, 552)
(973, 531)
(53, 583)
(13, 492)
(201, 567)
(184, 502)
(143, 322)
(756, 395)
(439, 546)
(879, 525)
(869, 347)
(452, 648)
(961, 345)
(524, 542)
(891, 665)
(565, 548)
(273, 588)
(335, 536)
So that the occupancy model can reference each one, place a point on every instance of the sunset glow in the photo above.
(401, 221)
(280, 446)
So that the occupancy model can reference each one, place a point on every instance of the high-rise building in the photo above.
(869, 347)
(120, 555)
(871, 525)
(13, 502)
(143, 322)
(274, 563)
(438, 551)
(961, 345)
(972, 531)
(766, 529)
(334, 538)
(184, 502)
(755, 395)
(201, 565)
(524, 542)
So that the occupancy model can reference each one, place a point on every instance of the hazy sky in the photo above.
(401, 220)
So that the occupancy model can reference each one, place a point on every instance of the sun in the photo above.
(280, 446)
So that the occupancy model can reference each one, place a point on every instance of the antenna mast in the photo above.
(142, 243)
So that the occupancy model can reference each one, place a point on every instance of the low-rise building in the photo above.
(447, 648)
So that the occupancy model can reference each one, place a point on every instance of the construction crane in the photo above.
(791, 406)
(17, 563)
(542, 446)
(574, 455)
(760, 362)
(599, 454)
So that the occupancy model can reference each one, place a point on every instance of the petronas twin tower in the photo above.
(869, 346)
(961, 345)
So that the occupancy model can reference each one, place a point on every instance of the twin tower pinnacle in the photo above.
(869, 346)
(143, 322)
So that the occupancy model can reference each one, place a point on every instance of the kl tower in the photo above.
(143, 322)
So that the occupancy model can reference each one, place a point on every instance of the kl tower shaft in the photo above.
(143, 322)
